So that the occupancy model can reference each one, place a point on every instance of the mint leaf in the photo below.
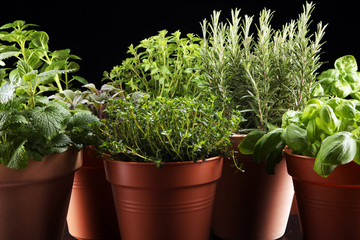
(48, 121)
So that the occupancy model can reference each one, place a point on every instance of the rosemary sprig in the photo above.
(266, 71)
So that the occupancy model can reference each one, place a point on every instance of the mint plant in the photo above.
(146, 129)
(31, 124)
(38, 70)
(161, 65)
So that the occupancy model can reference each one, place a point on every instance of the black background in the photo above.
(99, 31)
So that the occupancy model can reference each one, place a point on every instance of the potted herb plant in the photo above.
(91, 213)
(263, 74)
(40, 138)
(163, 161)
(161, 65)
(322, 155)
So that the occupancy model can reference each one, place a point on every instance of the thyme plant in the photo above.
(162, 129)
(265, 72)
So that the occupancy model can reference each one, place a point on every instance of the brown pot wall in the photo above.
(172, 202)
(91, 212)
(34, 201)
(251, 205)
(329, 208)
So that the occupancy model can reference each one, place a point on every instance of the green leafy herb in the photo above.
(161, 65)
(265, 72)
(164, 129)
(342, 81)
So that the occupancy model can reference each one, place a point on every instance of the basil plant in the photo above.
(328, 130)
(343, 81)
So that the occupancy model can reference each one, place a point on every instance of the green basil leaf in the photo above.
(309, 111)
(340, 88)
(267, 143)
(312, 131)
(274, 157)
(291, 116)
(337, 149)
(346, 63)
(326, 120)
(346, 110)
(295, 137)
(247, 145)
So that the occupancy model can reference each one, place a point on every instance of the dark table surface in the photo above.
(293, 231)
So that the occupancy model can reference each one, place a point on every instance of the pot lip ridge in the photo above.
(288, 151)
(108, 159)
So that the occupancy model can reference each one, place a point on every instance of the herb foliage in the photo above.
(263, 73)
(162, 129)
(161, 65)
(31, 125)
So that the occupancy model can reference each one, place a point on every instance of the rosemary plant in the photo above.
(263, 73)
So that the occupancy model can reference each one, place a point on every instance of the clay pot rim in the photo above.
(288, 151)
(108, 158)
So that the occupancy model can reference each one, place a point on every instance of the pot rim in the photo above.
(108, 158)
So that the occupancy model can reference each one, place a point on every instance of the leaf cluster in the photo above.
(161, 65)
(38, 69)
(31, 125)
(342, 81)
(266, 71)
(161, 129)
(92, 99)
(328, 130)
(32, 133)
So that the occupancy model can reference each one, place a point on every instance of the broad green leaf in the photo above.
(47, 120)
(326, 120)
(267, 143)
(40, 39)
(309, 111)
(23, 68)
(247, 145)
(60, 140)
(346, 63)
(340, 88)
(312, 131)
(335, 150)
(346, 110)
(274, 157)
(291, 116)
(18, 157)
(7, 92)
(296, 138)
(312, 150)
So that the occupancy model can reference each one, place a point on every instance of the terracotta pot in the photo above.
(251, 205)
(34, 201)
(172, 202)
(91, 212)
(329, 208)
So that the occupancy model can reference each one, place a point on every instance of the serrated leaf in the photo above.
(48, 120)
(6, 55)
(18, 158)
(7, 92)
(40, 39)
(60, 140)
